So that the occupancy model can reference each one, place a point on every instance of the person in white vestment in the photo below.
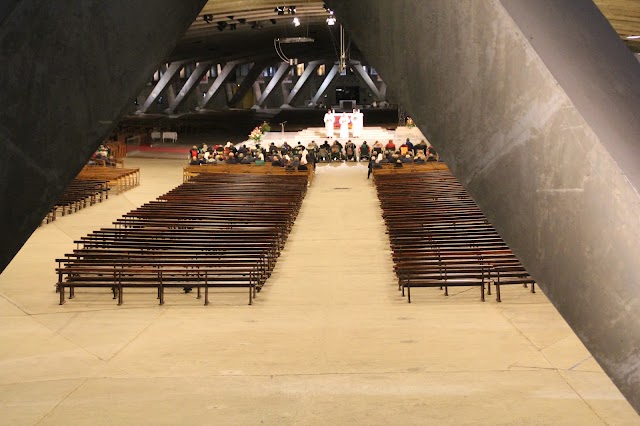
(344, 126)
(328, 124)
(356, 123)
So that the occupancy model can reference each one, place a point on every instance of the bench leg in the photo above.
(446, 290)
(113, 289)
(498, 293)
(119, 295)
(206, 295)
(161, 294)
(482, 292)
(72, 292)
(489, 288)
(61, 291)
(198, 296)
(250, 295)
(408, 293)
(533, 287)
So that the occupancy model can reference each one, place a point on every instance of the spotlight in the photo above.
(208, 18)
(232, 27)
(296, 22)
(292, 10)
(331, 20)
(633, 37)
(279, 10)
(242, 20)
(273, 21)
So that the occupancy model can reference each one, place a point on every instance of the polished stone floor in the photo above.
(328, 341)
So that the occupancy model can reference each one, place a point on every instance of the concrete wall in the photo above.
(66, 79)
(534, 107)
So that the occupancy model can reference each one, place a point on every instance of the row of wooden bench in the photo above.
(267, 169)
(215, 231)
(78, 195)
(440, 238)
(119, 179)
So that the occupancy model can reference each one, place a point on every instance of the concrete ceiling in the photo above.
(254, 33)
(257, 24)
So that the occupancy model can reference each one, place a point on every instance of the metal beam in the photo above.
(223, 74)
(367, 80)
(308, 71)
(192, 81)
(325, 83)
(169, 73)
(247, 83)
(279, 75)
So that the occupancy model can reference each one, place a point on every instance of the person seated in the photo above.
(285, 148)
(193, 152)
(390, 145)
(380, 159)
(378, 147)
(243, 150)
(404, 149)
(201, 159)
(293, 164)
(260, 159)
(273, 149)
(227, 149)
(298, 149)
(303, 163)
(407, 159)
(350, 150)
(420, 157)
(276, 161)
(421, 147)
(194, 161)
(312, 146)
(204, 148)
(336, 151)
(206, 155)
(365, 151)
(383, 159)
(211, 159)
(239, 158)
(432, 155)
(231, 159)
(286, 159)
(409, 144)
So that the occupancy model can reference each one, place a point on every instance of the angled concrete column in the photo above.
(69, 70)
(247, 83)
(277, 78)
(308, 71)
(383, 90)
(367, 80)
(325, 83)
(190, 84)
(162, 84)
(257, 92)
(534, 106)
(223, 74)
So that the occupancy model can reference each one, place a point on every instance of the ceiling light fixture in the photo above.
(208, 18)
(633, 37)
(279, 10)
(296, 22)
(331, 20)
(292, 10)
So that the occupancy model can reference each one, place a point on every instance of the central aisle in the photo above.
(337, 252)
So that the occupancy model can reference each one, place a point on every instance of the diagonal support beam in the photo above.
(171, 71)
(279, 75)
(367, 80)
(191, 83)
(308, 71)
(218, 82)
(325, 83)
(247, 83)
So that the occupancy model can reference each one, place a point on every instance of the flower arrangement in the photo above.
(410, 123)
(265, 127)
(256, 134)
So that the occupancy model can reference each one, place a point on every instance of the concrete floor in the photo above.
(328, 341)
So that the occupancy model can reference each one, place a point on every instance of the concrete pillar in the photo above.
(325, 83)
(367, 80)
(533, 105)
(308, 71)
(223, 74)
(278, 76)
(247, 83)
(69, 70)
(161, 85)
(189, 85)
